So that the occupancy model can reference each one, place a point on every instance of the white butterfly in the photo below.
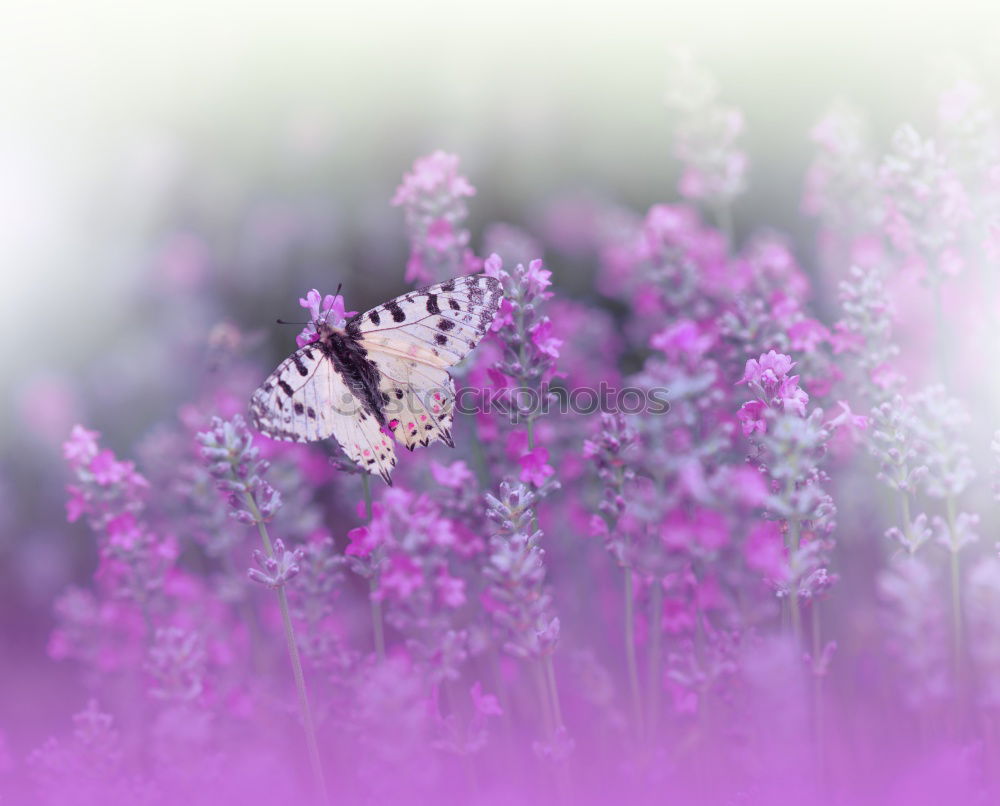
(384, 372)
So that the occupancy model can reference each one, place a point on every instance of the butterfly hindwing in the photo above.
(419, 400)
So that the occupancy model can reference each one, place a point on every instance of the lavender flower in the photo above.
(274, 570)
(235, 463)
(519, 604)
(432, 196)
(916, 622)
(705, 137)
(925, 205)
(530, 347)
(176, 663)
(609, 454)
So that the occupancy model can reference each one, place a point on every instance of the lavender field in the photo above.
(721, 519)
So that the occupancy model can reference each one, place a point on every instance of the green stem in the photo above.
(956, 598)
(817, 649)
(633, 669)
(544, 697)
(793, 596)
(653, 683)
(293, 654)
(378, 632)
(550, 676)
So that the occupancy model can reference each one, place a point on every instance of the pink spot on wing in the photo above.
(435, 408)
(367, 452)
(411, 425)
(423, 417)
(437, 395)
(393, 424)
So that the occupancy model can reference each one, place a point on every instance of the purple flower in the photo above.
(235, 463)
(275, 570)
(454, 476)
(485, 704)
(328, 310)
(432, 196)
(535, 468)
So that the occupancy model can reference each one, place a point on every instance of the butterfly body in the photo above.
(382, 375)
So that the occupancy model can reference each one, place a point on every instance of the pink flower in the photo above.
(768, 378)
(844, 340)
(764, 551)
(683, 339)
(451, 590)
(537, 278)
(544, 339)
(485, 704)
(435, 173)
(416, 270)
(454, 476)
(106, 469)
(363, 541)
(81, 446)
(771, 368)
(76, 504)
(535, 468)
(441, 235)
(402, 576)
(807, 335)
(747, 485)
(701, 528)
(493, 267)
(848, 418)
(751, 417)
(327, 309)
(124, 532)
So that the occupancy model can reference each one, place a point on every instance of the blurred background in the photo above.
(279, 132)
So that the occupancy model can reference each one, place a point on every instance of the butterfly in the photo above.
(383, 375)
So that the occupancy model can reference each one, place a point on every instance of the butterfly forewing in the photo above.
(438, 325)
(305, 399)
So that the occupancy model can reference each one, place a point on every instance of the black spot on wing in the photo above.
(440, 338)
(445, 324)
(285, 387)
(453, 304)
(397, 313)
(374, 317)
(297, 360)
(432, 304)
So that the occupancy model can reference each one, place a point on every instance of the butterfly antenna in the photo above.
(283, 322)
(326, 313)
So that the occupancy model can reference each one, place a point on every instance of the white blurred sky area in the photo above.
(114, 116)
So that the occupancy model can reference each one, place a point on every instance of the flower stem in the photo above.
(956, 599)
(293, 654)
(793, 595)
(817, 648)
(653, 683)
(376, 605)
(550, 675)
(633, 669)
